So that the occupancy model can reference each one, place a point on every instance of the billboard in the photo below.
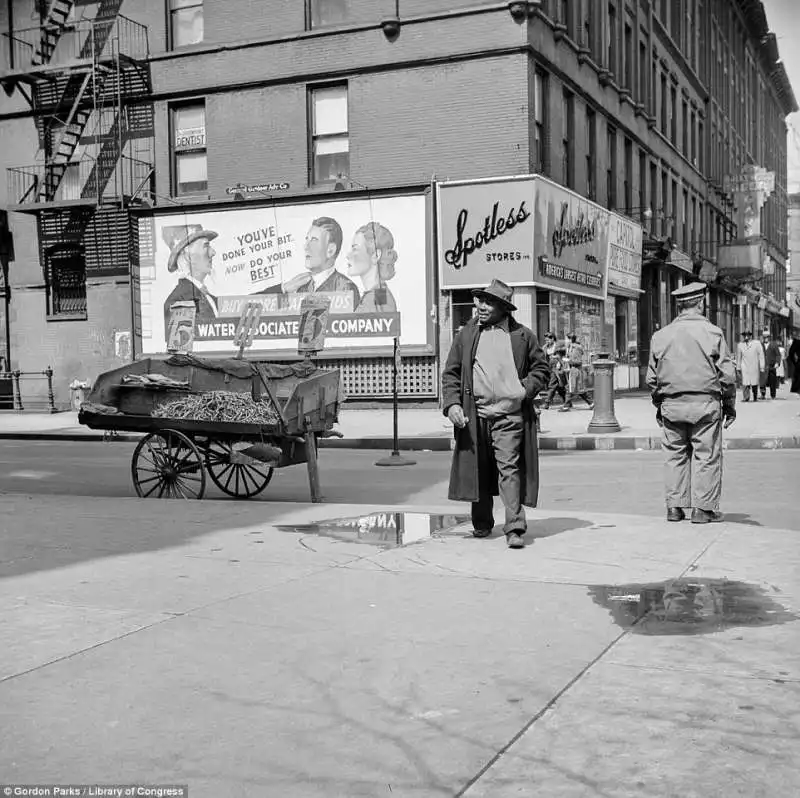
(198, 270)
(525, 231)
(485, 230)
(570, 241)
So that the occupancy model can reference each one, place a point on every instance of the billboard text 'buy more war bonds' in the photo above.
(197, 271)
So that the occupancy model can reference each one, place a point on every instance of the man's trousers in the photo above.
(692, 443)
(499, 448)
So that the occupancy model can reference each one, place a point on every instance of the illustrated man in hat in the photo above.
(693, 385)
(192, 257)
(494, 371)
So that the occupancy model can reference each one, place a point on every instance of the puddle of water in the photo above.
(689, 606)
(386, 530)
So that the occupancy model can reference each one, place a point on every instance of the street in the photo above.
(758, 490)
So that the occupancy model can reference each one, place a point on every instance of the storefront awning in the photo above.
(624, 291)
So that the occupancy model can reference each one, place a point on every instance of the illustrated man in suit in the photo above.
(192, 257)
(322, 246)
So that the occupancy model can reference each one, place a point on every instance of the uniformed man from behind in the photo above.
(693, 384)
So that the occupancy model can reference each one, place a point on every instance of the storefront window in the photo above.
(463, 308)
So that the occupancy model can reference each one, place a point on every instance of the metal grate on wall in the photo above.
(371, 378)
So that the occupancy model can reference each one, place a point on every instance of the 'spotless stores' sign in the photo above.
(485, 231)
(526, 231)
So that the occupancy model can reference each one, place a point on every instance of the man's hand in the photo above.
(730, 417)
(456, 415)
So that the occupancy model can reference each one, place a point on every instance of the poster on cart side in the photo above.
(368, 256)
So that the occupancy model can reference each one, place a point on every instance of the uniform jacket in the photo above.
(187, 291)
(750, 361)
(689, 358)
(533, 371)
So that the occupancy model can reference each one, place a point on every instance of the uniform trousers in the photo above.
(499, 448)
(692, 443)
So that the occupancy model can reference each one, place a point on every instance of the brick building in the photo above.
(642, 107)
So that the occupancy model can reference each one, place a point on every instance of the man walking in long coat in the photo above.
(749, 364)
(693, 385)
(494, 371)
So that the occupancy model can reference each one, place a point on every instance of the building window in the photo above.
(591, 146)
(664, 103)
(330, 138)
(185, 22)
(612, 38)
(685, 126)
(568, 140)
(643, 74)
(564, 16)
(66, 282)
(539, 120)
(611, 171)
(189, 162)
(642, 202)
(628, 55)
(673, 110)
(628, 184)
(323, 13)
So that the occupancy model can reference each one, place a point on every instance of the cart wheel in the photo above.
(168, 465)
(240, 480)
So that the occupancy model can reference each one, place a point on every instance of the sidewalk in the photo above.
(761, 425)
(308, 651)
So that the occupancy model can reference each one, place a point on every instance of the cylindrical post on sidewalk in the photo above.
(395, 458)
(17, 392)
(603, 419)
(51, 400)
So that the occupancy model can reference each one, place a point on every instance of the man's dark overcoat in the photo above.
(534, 373)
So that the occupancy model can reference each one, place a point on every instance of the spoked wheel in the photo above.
(242, 480)
(167, 465)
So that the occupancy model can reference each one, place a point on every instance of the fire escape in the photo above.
(87, 81)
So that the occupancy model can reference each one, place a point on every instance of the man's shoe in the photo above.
(481, 533)
(591, 405)
(546, 406)
(675, 514)
(514, 540)
(564, 409)
(705, 516)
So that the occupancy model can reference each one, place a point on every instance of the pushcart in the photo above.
(176, 455)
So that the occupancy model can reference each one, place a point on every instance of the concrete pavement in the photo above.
(762, 425)
(260, 650)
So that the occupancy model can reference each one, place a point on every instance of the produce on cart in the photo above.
(235, 420)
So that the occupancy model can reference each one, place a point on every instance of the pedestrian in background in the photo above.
(493, 373)
(558, 377)
(780, 372)
(794, 364)
(693, 385)
(749, 364)
(762, 381)
(773, 358)
(575, 381)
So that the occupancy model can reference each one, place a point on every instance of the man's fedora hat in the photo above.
(691, 291)
(178, 238)
(497, 289)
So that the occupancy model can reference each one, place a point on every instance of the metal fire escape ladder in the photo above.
(52, 28)
(75, 92)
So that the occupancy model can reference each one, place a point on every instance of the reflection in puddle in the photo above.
(689, 606)
(387, 530)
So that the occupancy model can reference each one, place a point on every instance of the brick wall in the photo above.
(74, 349)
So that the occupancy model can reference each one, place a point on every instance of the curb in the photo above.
(564, 443)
